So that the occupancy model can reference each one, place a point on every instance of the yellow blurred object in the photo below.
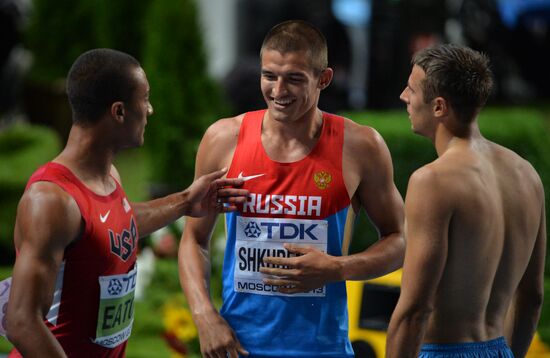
(178, 320)
(370, 305)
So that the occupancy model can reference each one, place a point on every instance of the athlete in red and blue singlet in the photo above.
(305, 203)
(92, 311)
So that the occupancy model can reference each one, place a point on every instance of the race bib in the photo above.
(116, 309)
(257, 238)
(5, 286)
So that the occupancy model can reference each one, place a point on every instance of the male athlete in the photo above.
(475, 224)
(76, 234)
(308, 173)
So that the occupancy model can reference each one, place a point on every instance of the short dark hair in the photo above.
(457, 73)
(297, 36)
(98, 78)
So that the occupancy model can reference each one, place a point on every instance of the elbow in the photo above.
(19, 327)
(532, 297)
(15, 329)
(417, 315)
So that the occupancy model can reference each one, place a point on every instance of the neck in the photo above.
(453, 133)
(88, 153)
(303, 129)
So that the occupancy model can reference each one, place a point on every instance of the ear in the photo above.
(440, 107)
(325, 78)
(117, 111)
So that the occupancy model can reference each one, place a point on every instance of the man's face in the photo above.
(289, 85)
(420, 113)
(138, 109)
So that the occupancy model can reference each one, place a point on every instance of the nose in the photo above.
(149, 109)
(403, 96)
(279, 87)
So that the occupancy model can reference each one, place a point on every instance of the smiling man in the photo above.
(475, 224)
(308, 173)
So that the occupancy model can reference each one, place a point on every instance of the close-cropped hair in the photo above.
(458, 74)
(298, 36)
(97, 79)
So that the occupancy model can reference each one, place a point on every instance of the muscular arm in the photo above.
(376, 192)
(205, 195)
(383, 203)
(428, 217)
(48, 219)
(527, 303)
(216, 337)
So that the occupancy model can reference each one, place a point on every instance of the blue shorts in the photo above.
(495, 348)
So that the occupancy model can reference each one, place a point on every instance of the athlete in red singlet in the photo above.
(76, 234)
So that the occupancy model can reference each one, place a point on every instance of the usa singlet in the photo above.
(305, 203)
(93, 305)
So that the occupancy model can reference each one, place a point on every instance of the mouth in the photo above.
(282, 102)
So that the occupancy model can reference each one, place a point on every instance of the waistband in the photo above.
(497, 343)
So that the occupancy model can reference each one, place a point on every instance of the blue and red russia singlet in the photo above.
(303, 202)
(92, 310)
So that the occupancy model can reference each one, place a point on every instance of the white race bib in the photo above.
(257, 238)
(116, 309)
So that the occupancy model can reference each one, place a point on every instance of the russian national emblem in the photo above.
(322, 179)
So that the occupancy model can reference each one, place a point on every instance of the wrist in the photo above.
(184, 204)
(338, 268)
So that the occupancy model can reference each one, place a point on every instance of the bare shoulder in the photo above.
(515, 170)
(364, 147)
(225, 130)
(361, 137)
(46, 211)
(431, 190)
(218, 144)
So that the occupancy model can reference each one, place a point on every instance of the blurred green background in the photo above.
(188, 93)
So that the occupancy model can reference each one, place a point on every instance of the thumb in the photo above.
(297, 249)
(240, 348)
(215, 175)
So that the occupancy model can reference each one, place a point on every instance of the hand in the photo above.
(210, 194)
(217, 339)
(310, 270)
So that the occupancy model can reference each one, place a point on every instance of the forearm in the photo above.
(194, 270)
(155, 214)
(381, 258)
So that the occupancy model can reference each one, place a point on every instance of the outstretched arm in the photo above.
(426, 230)
(377, 193)
(48, 219)
(209, 193)
(527, 303)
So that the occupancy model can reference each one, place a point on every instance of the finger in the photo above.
(291, 290)
(236, 200)
(215, 175)
(240, 349)
(231, 192)
(281, 283)
(281, 261)
(229, 182)
(279, 272)
(296, 249)
(232, 353)
(220, 353)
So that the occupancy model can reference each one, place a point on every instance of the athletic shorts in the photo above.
(495, 348)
